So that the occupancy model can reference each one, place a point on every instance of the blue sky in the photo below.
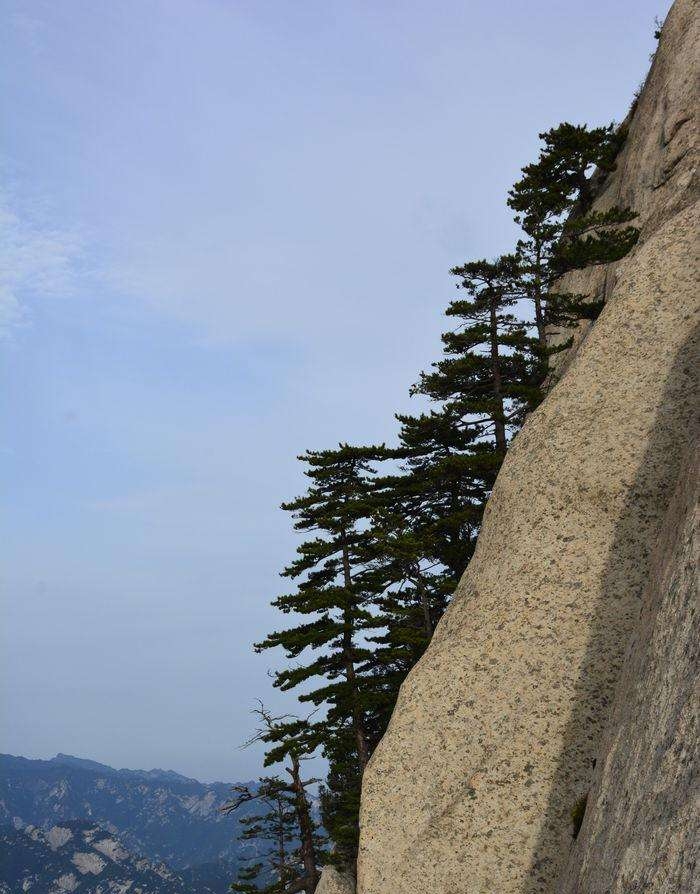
(227, 228)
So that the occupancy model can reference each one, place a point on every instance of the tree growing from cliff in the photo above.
(439, 495)
(340, 794)
(287, 821)
(553, 203)
(488, 377)
(423, 525)
(330, 651)
(423, 519)
(561, 177)
(330, 590)
(273, 829)
(410, 596)
(387, 549)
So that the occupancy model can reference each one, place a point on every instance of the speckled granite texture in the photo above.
(496, 730)
(641, 828)
(335, 882)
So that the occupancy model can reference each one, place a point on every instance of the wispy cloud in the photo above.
(37, 259)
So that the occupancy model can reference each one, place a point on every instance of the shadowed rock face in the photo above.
(495, 733)
(641, 829)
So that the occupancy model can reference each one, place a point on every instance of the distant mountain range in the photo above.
(79, 857)
(67, 760)
(171, 823)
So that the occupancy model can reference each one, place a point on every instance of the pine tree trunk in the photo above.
(539, 310)
(281, 850)
(585, 197)
(306, 829)
(456, 568)
(499, 415)
(357, 718)
(420, 586)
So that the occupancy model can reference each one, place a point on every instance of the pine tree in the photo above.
(598, 237)
(330, 589)
(423, 524)
(275, 824)
(288, 816)
(425, 519)
(446, 475)
(408, 610)
(488, 378)
(561, 177)
(340, 795)
(409, 597)
(553, 204)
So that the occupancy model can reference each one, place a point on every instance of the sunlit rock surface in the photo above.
(496, 731)
(334, 881)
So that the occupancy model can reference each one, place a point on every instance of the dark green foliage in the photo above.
(596, 238)
(424, 521)
(447, 474)
(340, 796)
(331, 590)
(296, 846)
(273, 829)
(553, 201)
(293, 740)
(487, 379)
(560, 178)
(330, 650)
(410, 584)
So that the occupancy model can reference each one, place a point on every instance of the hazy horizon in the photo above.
(227, 229)
(89, 761)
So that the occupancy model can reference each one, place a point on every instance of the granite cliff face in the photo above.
(640, 829)
(497, 730)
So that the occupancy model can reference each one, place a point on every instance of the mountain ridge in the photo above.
(160, 815)
(71, 760)
(80, 857)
